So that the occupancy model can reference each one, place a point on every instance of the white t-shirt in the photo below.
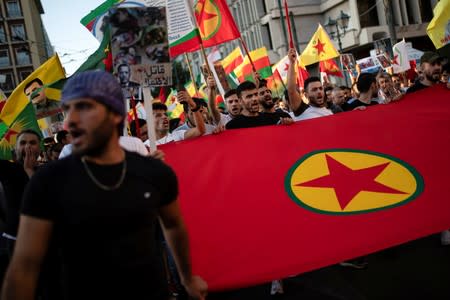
(209, 129)
(129, 143)
(175, 136)
(224, 119)
(311, 113)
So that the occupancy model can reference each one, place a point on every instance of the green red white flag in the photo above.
(400, 62)
(325, 196)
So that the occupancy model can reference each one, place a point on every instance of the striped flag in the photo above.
(260, 60)
(232, 61)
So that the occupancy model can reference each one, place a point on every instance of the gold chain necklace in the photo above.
(101, 185)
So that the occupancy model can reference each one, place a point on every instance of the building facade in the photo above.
(24, 44)
(260, 23)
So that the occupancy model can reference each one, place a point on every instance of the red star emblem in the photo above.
(347, 183)
(320, 47)
(394, 61)
(9, 134)
(286, 67)
(203, 16)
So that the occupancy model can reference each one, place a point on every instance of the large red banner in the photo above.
(270, 202)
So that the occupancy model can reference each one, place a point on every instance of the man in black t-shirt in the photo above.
(431, 67)
(368, 92)
(267, 102)
(99, 206)
(250, 115)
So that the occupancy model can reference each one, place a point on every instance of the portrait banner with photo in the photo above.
(140, 49)
(368, 64)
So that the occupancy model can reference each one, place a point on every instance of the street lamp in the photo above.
(340, 24)
(338, 27)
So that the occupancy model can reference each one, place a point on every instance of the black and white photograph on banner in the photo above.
(139, 45)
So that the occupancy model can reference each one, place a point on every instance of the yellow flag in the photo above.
(439, 28)
(319, 48)
(47, 73)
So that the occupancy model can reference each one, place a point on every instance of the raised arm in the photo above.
(29, 252)
(212, 92)
(199, 128)
(295, 99)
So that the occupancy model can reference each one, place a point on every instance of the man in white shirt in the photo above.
(313, 90)
(162, 122)
(231, 102)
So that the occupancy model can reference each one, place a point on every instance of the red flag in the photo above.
(330, 67)
(310, 207)
(215, 22)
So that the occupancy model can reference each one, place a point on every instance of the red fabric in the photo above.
(245, 229)
(215, 16)
(330, 67)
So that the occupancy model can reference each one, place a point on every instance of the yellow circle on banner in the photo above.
(209, 18)
(345, 181)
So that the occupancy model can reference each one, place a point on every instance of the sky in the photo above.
(71, 40)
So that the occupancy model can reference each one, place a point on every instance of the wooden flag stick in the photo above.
(291, 39)
(190, 71)
(247, 53)
(150, 119)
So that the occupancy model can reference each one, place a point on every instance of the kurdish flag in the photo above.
(232, 61)
(215, 22)
(348, 188)
(319, 48)
(439, 29)
(283, 66)
(260, 60)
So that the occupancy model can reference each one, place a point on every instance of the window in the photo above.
(8, 84)
(266, 37)
(368, 15)
(4, 58)
(426, 10)
(13, 9)
(23, 56)
(2, 34)
(18, 32)
(24, 74)
(261, 7)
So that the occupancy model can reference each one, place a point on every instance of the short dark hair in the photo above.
(364, 82)
(262, 83)
(60, 135)
(328, 88)
(310, 80)
(31, 82)
(230, 93)
(159, 106)
(198, 101)
(29, 131)
(344, 87)
(133, 128)
(123, 65)
(245, 86)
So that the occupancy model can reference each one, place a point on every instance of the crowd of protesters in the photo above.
(251, 104)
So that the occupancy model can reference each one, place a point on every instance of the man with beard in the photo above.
(313, 90)
(267, 102)
(231, 102)
(368, 92)
(250, 115)
(99, 207)
(430, 65)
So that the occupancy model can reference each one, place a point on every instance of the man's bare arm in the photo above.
(212, 106)
(29, 252)
(295, 99)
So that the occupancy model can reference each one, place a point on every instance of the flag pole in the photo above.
(291, 39)
(247, 53)
(190, 71)
(133, 106)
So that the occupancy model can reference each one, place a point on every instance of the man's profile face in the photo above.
(24, 142)
(265, 97)
(124, 74)
(36, 93)
(432, 71)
